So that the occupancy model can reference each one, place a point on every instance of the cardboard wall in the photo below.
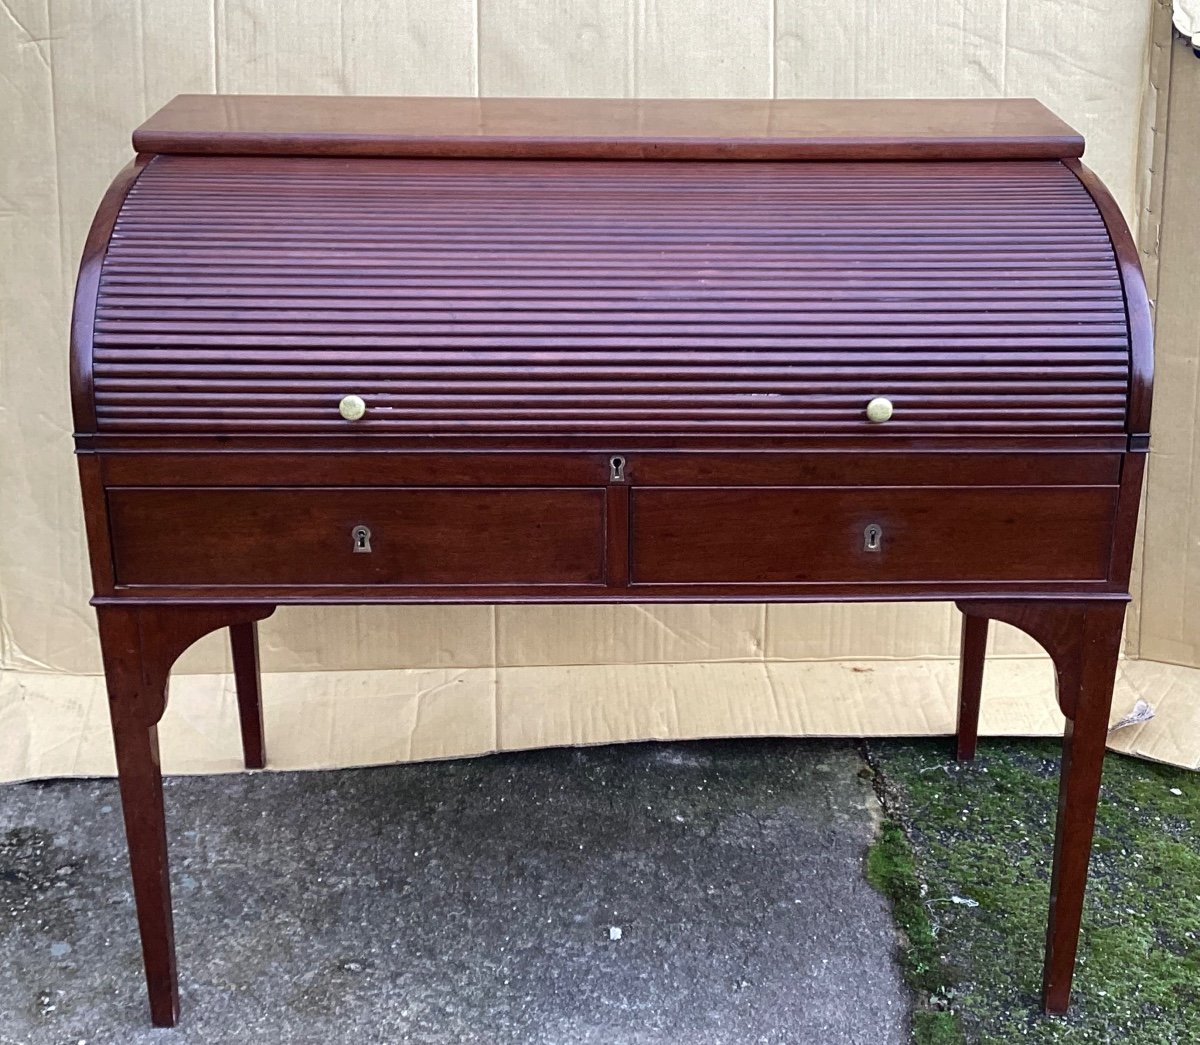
(1170, 582)
(78, 75)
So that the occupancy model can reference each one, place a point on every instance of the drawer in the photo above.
(752, 535)
(434, 536)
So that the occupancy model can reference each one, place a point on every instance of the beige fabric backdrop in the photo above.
(78, 75)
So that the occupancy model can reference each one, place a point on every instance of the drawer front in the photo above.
(434, 536)
(741, 535)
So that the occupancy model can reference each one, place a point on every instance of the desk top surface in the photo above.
(736, 129)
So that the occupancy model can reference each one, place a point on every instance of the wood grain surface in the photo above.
(750, 535)
(243, 537)
(609, 128)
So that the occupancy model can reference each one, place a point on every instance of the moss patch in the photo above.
(982, 834)
(891, 870)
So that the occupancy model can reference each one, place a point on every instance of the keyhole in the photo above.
(872, 537)
(362, 539)
(616, 469)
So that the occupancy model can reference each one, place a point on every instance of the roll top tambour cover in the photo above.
(484, 293)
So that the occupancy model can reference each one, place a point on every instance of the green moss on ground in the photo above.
(982, 834)
(891, 870)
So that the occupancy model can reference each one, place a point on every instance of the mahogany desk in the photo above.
(350, 350)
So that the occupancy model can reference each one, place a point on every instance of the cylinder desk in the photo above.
(369, 350)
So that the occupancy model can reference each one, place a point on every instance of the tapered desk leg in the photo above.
(139, 645)
(146, 831)
(243, 640)
(1079, 791)
(135, 692)
(1083, 639)
(970, 685)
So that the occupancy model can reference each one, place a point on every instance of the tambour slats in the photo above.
(555, 296)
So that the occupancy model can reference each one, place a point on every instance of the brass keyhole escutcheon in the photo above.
(873, 538)
(361, 536)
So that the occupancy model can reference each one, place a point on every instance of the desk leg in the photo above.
(1083, 639)
(139, 645)
(970, 685)
(146, 832)
(243, 641)
(137, 694)
(1079, 791)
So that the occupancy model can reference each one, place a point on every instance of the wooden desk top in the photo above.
(790, 129)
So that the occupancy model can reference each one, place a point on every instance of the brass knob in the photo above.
(879, 410)
(352, 407)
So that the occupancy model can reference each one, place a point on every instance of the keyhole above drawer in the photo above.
(872, 538)
(616, 468)
(362, 539)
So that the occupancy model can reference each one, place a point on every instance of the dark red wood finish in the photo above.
(1137, 305)
(609, 128)
(236, 538)
(1084, 640)
(624, 300)
(243, 642)
(973, 653)
(789, 535)
(597, 372)
(87, 285)
(139, 645)
(375, 467)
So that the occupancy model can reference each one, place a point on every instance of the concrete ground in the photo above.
(652, 893)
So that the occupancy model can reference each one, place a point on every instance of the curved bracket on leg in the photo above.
(1083, 639)
(140, 643)
(1062, 629)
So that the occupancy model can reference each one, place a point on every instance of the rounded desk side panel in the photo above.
(1137, 304)
(87, 287)
(83, 398)
(1141, 370)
